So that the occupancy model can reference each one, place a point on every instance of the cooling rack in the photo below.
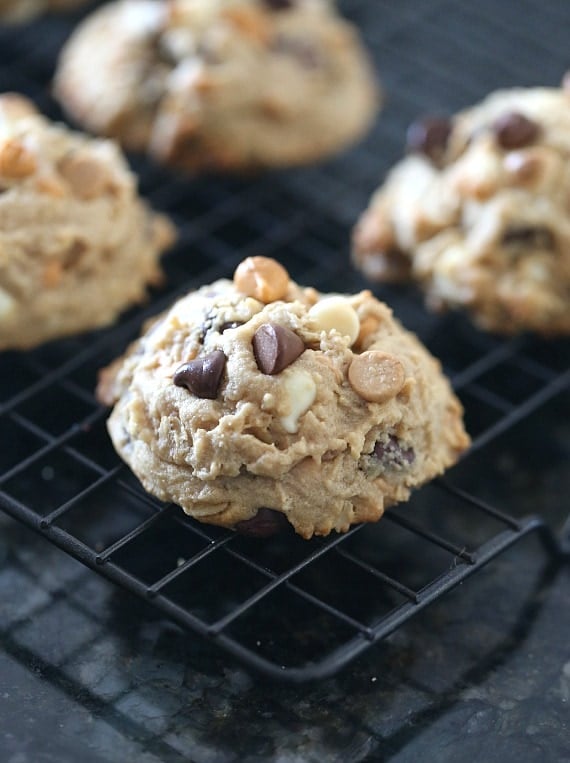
(295, 610)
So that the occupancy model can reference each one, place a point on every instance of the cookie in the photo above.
(478, 213)
(256, 403)
(220, 84)
(23, 10)
(77, 245)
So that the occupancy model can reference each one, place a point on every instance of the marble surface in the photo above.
(88, 672)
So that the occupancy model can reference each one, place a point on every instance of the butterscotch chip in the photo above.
(86, 176)
(376, 376)
(16, 161)
(270, 422)
(262, 278)
(250, 21)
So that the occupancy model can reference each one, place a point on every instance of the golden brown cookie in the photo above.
(77, 244)
(220, 84)
(251, 410)
(478, 213)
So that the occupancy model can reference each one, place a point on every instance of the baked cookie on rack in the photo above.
(254, 403)
(14, 11)
(77, 244)
(220, 84)
(479, 213)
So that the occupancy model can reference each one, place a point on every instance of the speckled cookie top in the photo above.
(257, 393)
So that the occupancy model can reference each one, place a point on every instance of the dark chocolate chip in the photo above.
(275, 347)
(514, 130)
(279, 5)
(429, 136)
(529, 238)
(202, 376)
(265, 523)
(393, 454)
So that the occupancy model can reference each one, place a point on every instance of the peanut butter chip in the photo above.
(262, 278)
(15, 160)
(86, 176)
(376, 376)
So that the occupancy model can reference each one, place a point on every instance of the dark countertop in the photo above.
(90, 673)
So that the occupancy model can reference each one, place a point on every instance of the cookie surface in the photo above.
(77, 245)
(255, 400)
(478, 213)
(220, 84)
(22, 10)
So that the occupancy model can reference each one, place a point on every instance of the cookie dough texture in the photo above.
(220, 84)
(21, 10)
(479, 213)
(77, 245)
(286, 429)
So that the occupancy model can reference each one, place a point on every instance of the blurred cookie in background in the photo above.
(479, 213)
(230, 85)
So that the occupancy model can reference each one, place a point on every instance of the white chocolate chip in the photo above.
(299, 391)
(7, 304)
(336, 313)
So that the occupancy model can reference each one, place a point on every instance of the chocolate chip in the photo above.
(429, 136)
(392, 453)
(275, 347)
(514, 130)
(529, 238)
(202, 376)
(279, 5)
(265, 523)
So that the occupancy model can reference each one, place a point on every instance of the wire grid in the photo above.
(293, 609)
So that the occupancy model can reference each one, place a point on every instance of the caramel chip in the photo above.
(86, 176)
(262, 278)
(16, 161)
(376, 376)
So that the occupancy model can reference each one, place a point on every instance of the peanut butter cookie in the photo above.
(77, 245)
(479, 213)
(220, 84)
(254, 403)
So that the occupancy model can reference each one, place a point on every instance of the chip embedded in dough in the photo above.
(478, 213)
(220, 84)
(250, 414)
(77, 244)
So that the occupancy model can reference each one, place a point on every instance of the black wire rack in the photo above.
(293, 609)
